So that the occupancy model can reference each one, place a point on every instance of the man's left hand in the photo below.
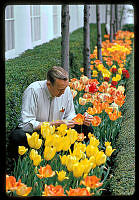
(88, 119)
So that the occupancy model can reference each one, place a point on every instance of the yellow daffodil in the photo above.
(62, 175)
(49, 152)
(109, 150)
(22, 150)
(100, 158)
(33, 140)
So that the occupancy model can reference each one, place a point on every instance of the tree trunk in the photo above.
(65, 37)
(111, 23)
(121, 16)
(86, 50)
(116, 17)
(99, 40)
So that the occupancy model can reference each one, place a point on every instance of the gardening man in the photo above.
(49, 100)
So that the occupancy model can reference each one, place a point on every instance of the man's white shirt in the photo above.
(38, 106)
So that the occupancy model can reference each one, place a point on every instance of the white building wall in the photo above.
(50, 24)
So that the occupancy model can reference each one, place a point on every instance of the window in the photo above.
(9, 28)
(55, 19)
(35, 22)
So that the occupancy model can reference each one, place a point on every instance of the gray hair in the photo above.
(57, 73)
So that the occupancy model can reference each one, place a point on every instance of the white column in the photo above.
(46, 23)
(22, 28)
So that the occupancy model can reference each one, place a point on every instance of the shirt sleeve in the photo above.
(29, 110)
(70, 111)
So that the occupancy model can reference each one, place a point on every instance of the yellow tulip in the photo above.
(33, 140)
(72, 134)
(33, 154)
(78, 169)
(94, 141)
(79, 145)
(22, 150)
(49, 152)
(61, 175)
(66, 143)
(70, 161)
(62, 129)
(57, 142)
(46, 129)
(63, 159)
(100, 158)
(92, 160)
(107, 144)
(37, 159)
(82, 101)
(87, 165)
(109, 151)
(94, 73)
(118, 77)
(91, 150)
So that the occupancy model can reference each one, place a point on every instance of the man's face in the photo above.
(58, 88)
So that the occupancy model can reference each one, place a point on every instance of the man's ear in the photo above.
(48, 83)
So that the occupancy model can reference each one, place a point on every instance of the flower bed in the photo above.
(60, 162)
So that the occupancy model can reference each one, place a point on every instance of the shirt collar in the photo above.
(48, 93)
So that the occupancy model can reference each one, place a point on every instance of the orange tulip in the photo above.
(96, 121)
(92, 182)
(91, 111)
(11, 183)
(50, 190)
(78, 192)
(45, 172)
(115, 115)
(23, 190)
(81, 137)
(79, 119)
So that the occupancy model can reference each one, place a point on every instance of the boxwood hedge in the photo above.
(123, 180)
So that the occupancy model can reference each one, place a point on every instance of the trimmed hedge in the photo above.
(32, 65)
(123, 180)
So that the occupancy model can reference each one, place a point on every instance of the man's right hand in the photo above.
(70, 123)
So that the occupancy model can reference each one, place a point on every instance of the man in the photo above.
(49, 100)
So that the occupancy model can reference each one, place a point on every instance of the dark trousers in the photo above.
(18, 138)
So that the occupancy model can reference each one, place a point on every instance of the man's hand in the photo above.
(88, 119)
(70, 123)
